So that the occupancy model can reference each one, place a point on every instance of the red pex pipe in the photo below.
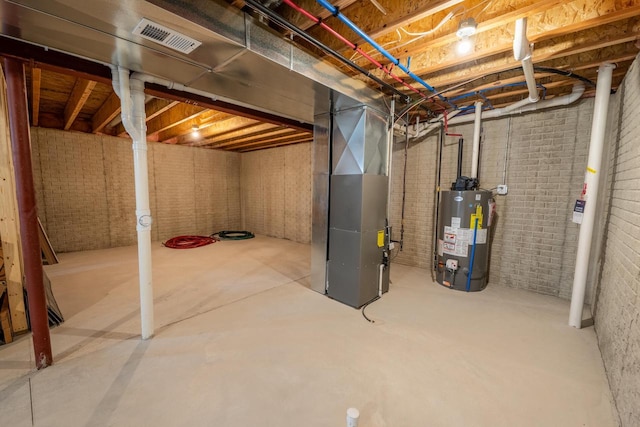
(353, 46)
(446, 126)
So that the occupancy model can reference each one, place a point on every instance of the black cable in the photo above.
(366, 305)
(283, 22)
(564, 73)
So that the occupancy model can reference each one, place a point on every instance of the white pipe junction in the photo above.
(590, 193)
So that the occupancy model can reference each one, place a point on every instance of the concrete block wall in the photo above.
(276, 192)
(617, 310)
(85, 189)
(534, 239)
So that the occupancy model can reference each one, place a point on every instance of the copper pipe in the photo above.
(32, 257)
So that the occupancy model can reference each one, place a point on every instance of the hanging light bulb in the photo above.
(195, 131)
(464, 46)
(466, 29)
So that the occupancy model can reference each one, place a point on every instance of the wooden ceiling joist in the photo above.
(217, 130)
(78, 97)
(291, 137)
(108, 111)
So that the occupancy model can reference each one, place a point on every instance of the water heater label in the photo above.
(456, 241)
(455, 222)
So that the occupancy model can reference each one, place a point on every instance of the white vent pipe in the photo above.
(476, 139)
(576, 93)
(132, 100)
(522, 52)
(130, 90)
(600, 110)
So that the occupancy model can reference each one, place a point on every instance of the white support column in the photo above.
(603, 89)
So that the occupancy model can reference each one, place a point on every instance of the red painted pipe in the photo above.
(32, 257)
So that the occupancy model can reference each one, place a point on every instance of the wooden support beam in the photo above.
(233, 133)
(561, 55)
(9, 221)
(288, 138)
(278, 144)
(217, 130)
(108, 111)
(175, 115)
(547, 20)
(36, 80)
(78, 97)
(265, 135)
(204, 121)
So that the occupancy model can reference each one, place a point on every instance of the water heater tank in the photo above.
(464, 231)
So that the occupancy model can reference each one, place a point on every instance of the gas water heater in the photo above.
(464, 231)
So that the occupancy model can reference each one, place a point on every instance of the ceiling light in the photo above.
(194, 131)
(464, 46)
(466, 28)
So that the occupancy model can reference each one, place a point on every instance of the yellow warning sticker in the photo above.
(381, 239)
(591, 170)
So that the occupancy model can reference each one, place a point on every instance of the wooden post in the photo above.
(9, 223)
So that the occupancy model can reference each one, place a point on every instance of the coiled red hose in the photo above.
(188, 242)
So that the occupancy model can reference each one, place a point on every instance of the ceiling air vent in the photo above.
(165, 36)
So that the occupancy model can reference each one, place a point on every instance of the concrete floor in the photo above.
(241, 341)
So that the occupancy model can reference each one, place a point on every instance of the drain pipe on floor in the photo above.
(590, 191)
(131, 93)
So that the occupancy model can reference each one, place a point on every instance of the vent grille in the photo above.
(165, 36)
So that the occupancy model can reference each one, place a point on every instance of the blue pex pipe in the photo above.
(473, 253)
(336, 12)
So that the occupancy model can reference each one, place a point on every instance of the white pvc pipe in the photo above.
(476, 139)
(576, 93)
(132, 99)
(130, 89)
(600, 110)
(519, 107)
(522, 52)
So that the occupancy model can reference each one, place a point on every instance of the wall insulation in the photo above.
(85, 189)
(617, 313)
(276, 192)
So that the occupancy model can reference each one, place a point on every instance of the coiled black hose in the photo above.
(233, 235)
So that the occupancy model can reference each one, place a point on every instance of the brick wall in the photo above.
(85, 189)
(276, 192)
(535, 241)
(617, 316)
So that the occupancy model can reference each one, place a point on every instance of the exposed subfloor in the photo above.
(242, 341)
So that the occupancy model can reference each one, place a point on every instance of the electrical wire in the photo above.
(188, 242)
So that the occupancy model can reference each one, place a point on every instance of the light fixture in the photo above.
(195, 131)
(466, 29)
(464, 46)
